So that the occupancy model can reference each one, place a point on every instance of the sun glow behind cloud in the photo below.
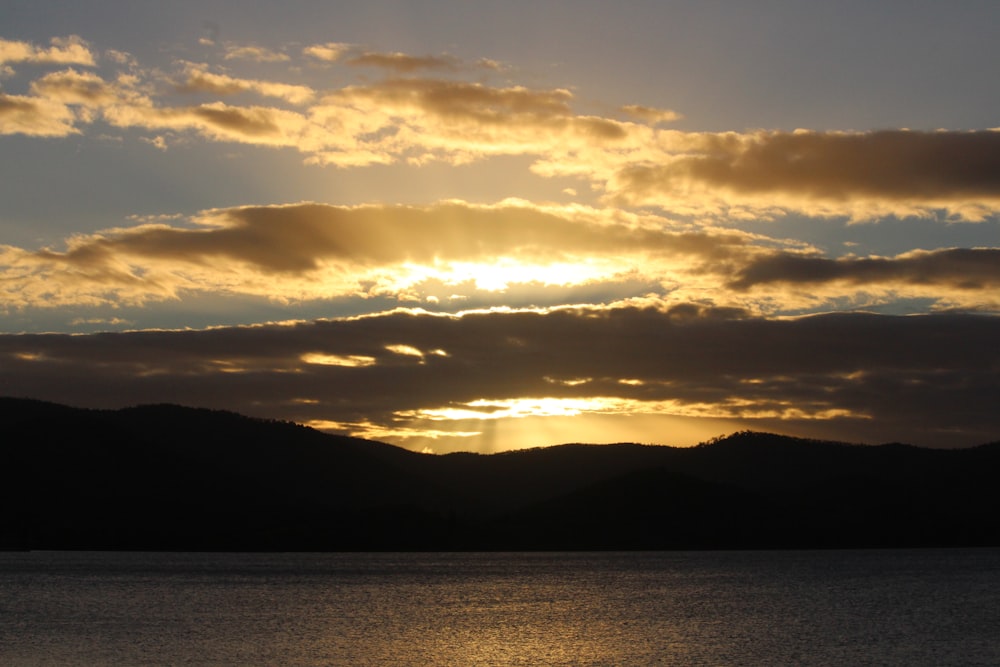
(733, 408)
(453, 252)
(515, 408)
(312, 251)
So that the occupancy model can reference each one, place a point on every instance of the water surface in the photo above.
(912, 607)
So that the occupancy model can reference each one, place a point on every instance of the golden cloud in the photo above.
(316, 251)
(416, 120)
(452, 250)
(198, 79)
(257, 125)
(410, 120)
(254, 53)
(329, 52)
(70, 50)
(73, 87)
(35, 116)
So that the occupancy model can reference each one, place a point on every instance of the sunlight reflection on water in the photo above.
(836, 607)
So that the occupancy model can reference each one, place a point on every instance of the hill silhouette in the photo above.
(172, 478)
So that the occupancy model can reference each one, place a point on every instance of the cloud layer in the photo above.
(430, 109)
(411, 375)
(862, 175)
(454, 249)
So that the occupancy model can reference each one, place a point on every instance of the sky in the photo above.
(470, 226)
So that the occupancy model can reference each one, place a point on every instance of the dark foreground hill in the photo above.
(172, 478)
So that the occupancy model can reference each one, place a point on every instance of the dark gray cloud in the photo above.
(961, 268)
(864, 175)
(932, 379)
(893, 163)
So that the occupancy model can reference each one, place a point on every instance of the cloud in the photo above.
(159, 142)
(411, 120)
(416, 120)
(848, 371)
(198, 79)
(857, 175)
(651, 114)
(423, 119)
(63, 51)
(61, 101)
(451, 251)
(490, 64)
(392, 61)
(329, 52)
(256, 125)
(961, 268)
(402, 63)
(317, 251)
(964, 278)
(255, 54)
(36, 117)
(73, 87)
(121, 57)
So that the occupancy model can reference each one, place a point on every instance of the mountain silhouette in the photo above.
(167, 477)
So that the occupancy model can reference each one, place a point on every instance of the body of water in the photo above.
(892, 607)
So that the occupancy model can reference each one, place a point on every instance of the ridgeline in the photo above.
(164, 477)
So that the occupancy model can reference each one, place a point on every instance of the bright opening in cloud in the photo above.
(348, 361)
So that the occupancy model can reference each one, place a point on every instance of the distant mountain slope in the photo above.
(168, 477)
